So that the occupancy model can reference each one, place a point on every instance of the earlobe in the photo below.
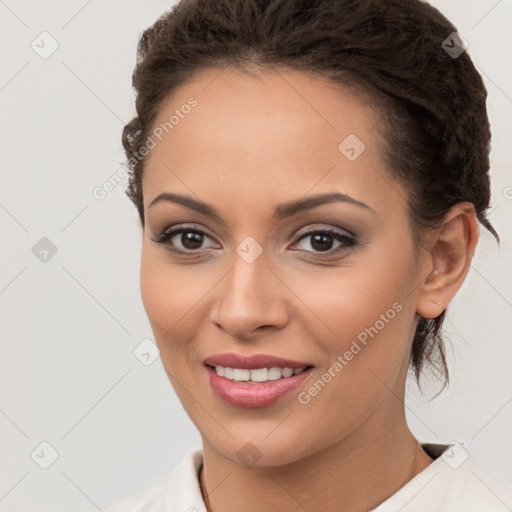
(450, 254)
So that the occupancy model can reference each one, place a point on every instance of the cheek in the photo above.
(164, 293)
(361, 326)
(353, 298)
(363, 312)
(173, 297)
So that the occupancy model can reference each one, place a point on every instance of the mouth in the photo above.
(255, 387)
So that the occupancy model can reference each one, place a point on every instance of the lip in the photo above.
(232, 360)
(254, 394)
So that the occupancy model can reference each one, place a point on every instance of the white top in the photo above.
(454, 482)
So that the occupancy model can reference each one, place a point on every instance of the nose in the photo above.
(250, 299)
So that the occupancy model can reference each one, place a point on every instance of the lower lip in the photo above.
(254, 394)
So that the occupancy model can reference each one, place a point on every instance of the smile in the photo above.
(242, 391)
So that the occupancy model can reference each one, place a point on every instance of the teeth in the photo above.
(274, 373)
(241, 374)
(287, 372)
(256, 375)
(259, 375)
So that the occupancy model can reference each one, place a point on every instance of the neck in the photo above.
(354, 475)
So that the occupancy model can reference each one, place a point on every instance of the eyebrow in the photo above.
(281, 212)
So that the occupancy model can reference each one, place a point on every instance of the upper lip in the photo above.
(251, 362)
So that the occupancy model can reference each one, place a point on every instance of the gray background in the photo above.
(70, 325)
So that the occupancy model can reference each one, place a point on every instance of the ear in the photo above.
(451, 249)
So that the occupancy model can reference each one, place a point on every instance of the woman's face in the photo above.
(260, 278)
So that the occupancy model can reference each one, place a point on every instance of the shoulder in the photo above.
(481, 489)
(176, 490)
(454, 482)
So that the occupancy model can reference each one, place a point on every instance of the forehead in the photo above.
(275, 132)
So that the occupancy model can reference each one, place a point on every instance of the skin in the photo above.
(272, 141)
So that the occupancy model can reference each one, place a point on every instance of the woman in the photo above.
(310, 176)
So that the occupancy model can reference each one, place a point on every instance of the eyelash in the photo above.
(347, 241)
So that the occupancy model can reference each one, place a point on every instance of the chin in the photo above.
(262, 451)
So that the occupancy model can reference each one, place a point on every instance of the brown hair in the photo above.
(434, 123)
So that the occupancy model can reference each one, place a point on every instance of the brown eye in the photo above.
(183, 240)
(323, 241)
(191, 239)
